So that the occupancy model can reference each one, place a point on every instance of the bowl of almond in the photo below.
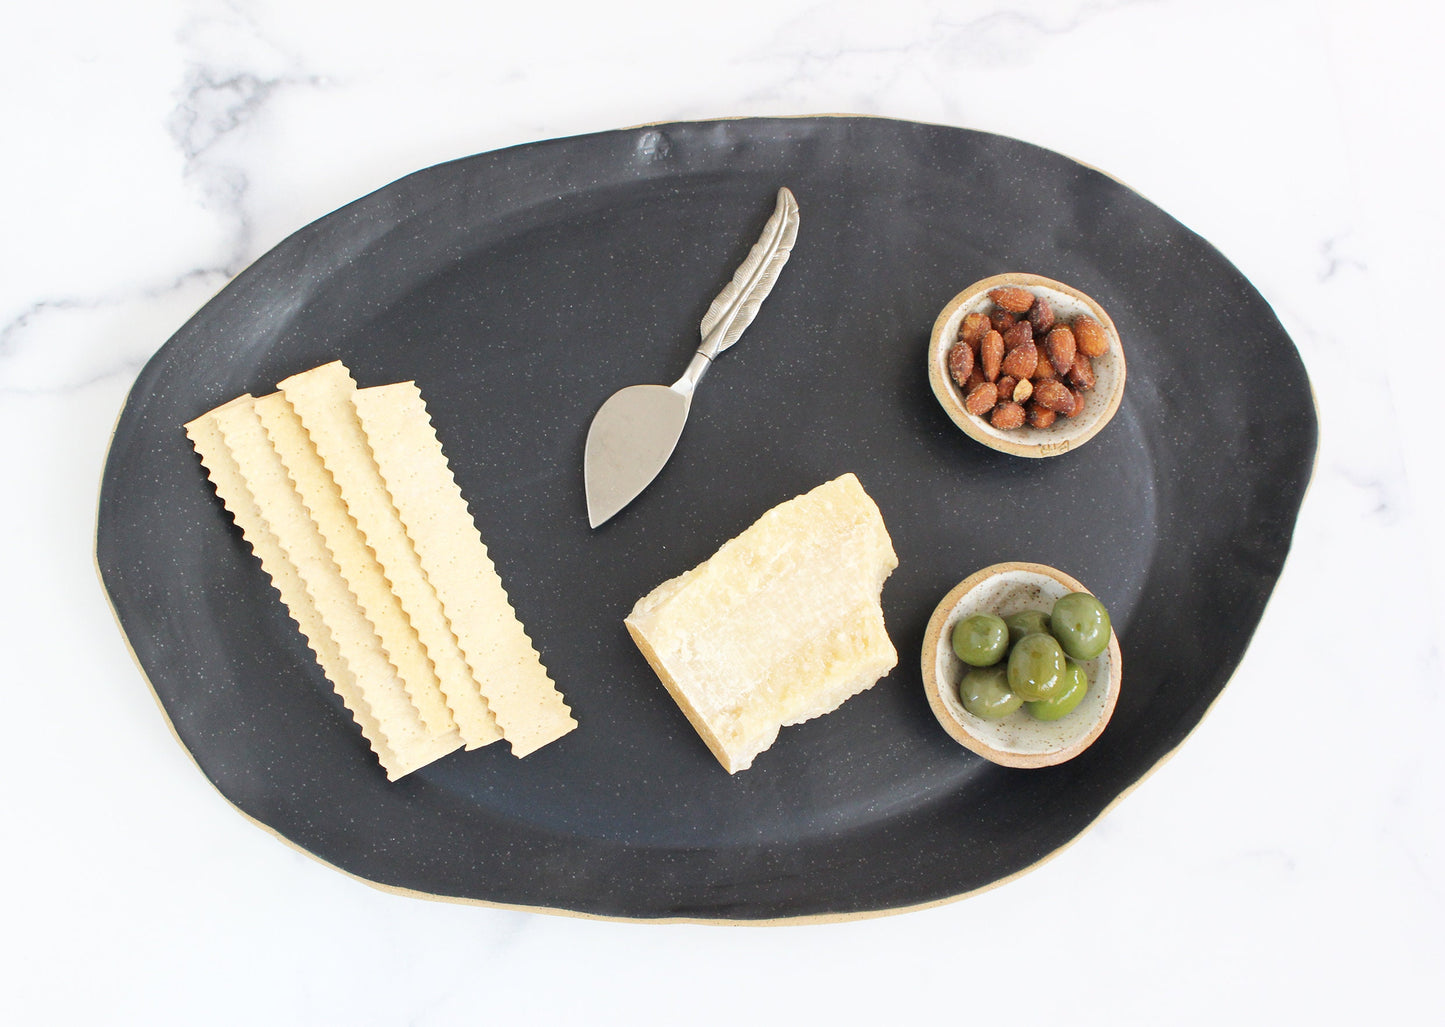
(1026, 365)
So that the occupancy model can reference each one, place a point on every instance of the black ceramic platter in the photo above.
(519, 289)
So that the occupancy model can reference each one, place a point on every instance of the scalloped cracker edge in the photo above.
(527, 706)
(252, 482)
(356, 562)
(321, 399)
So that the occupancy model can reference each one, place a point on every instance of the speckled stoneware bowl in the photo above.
(1066, 433)
(1018, 740)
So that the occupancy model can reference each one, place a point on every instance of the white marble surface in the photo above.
(1285, 865)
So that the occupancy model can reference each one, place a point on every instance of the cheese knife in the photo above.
(635, 431)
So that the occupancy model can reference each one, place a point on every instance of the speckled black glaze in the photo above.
(519, 289)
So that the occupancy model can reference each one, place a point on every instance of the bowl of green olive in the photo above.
(1021, 665)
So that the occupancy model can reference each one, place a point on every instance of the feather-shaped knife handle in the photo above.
(733, 309)
(736, 306)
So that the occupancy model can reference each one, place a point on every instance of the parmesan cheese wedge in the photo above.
(781, 625)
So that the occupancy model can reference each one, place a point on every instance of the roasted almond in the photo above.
(1012, 298)
(1007, 416)
(1040, 416)
(1006, 384)
(1023, 390)
(1082, 373)
(991, 353)
(1017, 335)
(1079, 401)
(960, 363)
(976, 378)
(1041, 316)
(1002, 320)
(1092, 340)
(981, 399)
(1053, 394)
(1022, 360)
(1060, 348)
(972, 329)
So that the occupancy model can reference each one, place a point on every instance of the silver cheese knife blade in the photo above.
(636, 430)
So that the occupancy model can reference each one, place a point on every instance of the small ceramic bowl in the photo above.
(1018, 740)
(1066, 433)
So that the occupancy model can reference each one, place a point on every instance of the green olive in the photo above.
(985, 693)
(1076, 683)
(1081, 624)
(1026, 622)
(980, 640)
(1036, 668)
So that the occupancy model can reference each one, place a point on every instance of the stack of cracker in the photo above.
(348, 502)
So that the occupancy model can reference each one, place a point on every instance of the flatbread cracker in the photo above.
(528, 708)
(355, 560)
(231, 487)
(407, 743)
(321, 398)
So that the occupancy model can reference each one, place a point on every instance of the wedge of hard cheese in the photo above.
(781, 625)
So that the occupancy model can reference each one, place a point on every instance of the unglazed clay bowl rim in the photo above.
(1066, 433)
(1018, 740)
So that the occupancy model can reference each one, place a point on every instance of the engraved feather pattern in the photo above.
(736, 306)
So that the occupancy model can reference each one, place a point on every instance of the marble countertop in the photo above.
(1285, 865)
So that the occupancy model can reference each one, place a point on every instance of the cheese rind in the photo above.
(781, 625)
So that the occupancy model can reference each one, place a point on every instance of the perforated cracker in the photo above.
(528, 708)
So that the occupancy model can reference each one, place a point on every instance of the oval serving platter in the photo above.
(519, 289)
